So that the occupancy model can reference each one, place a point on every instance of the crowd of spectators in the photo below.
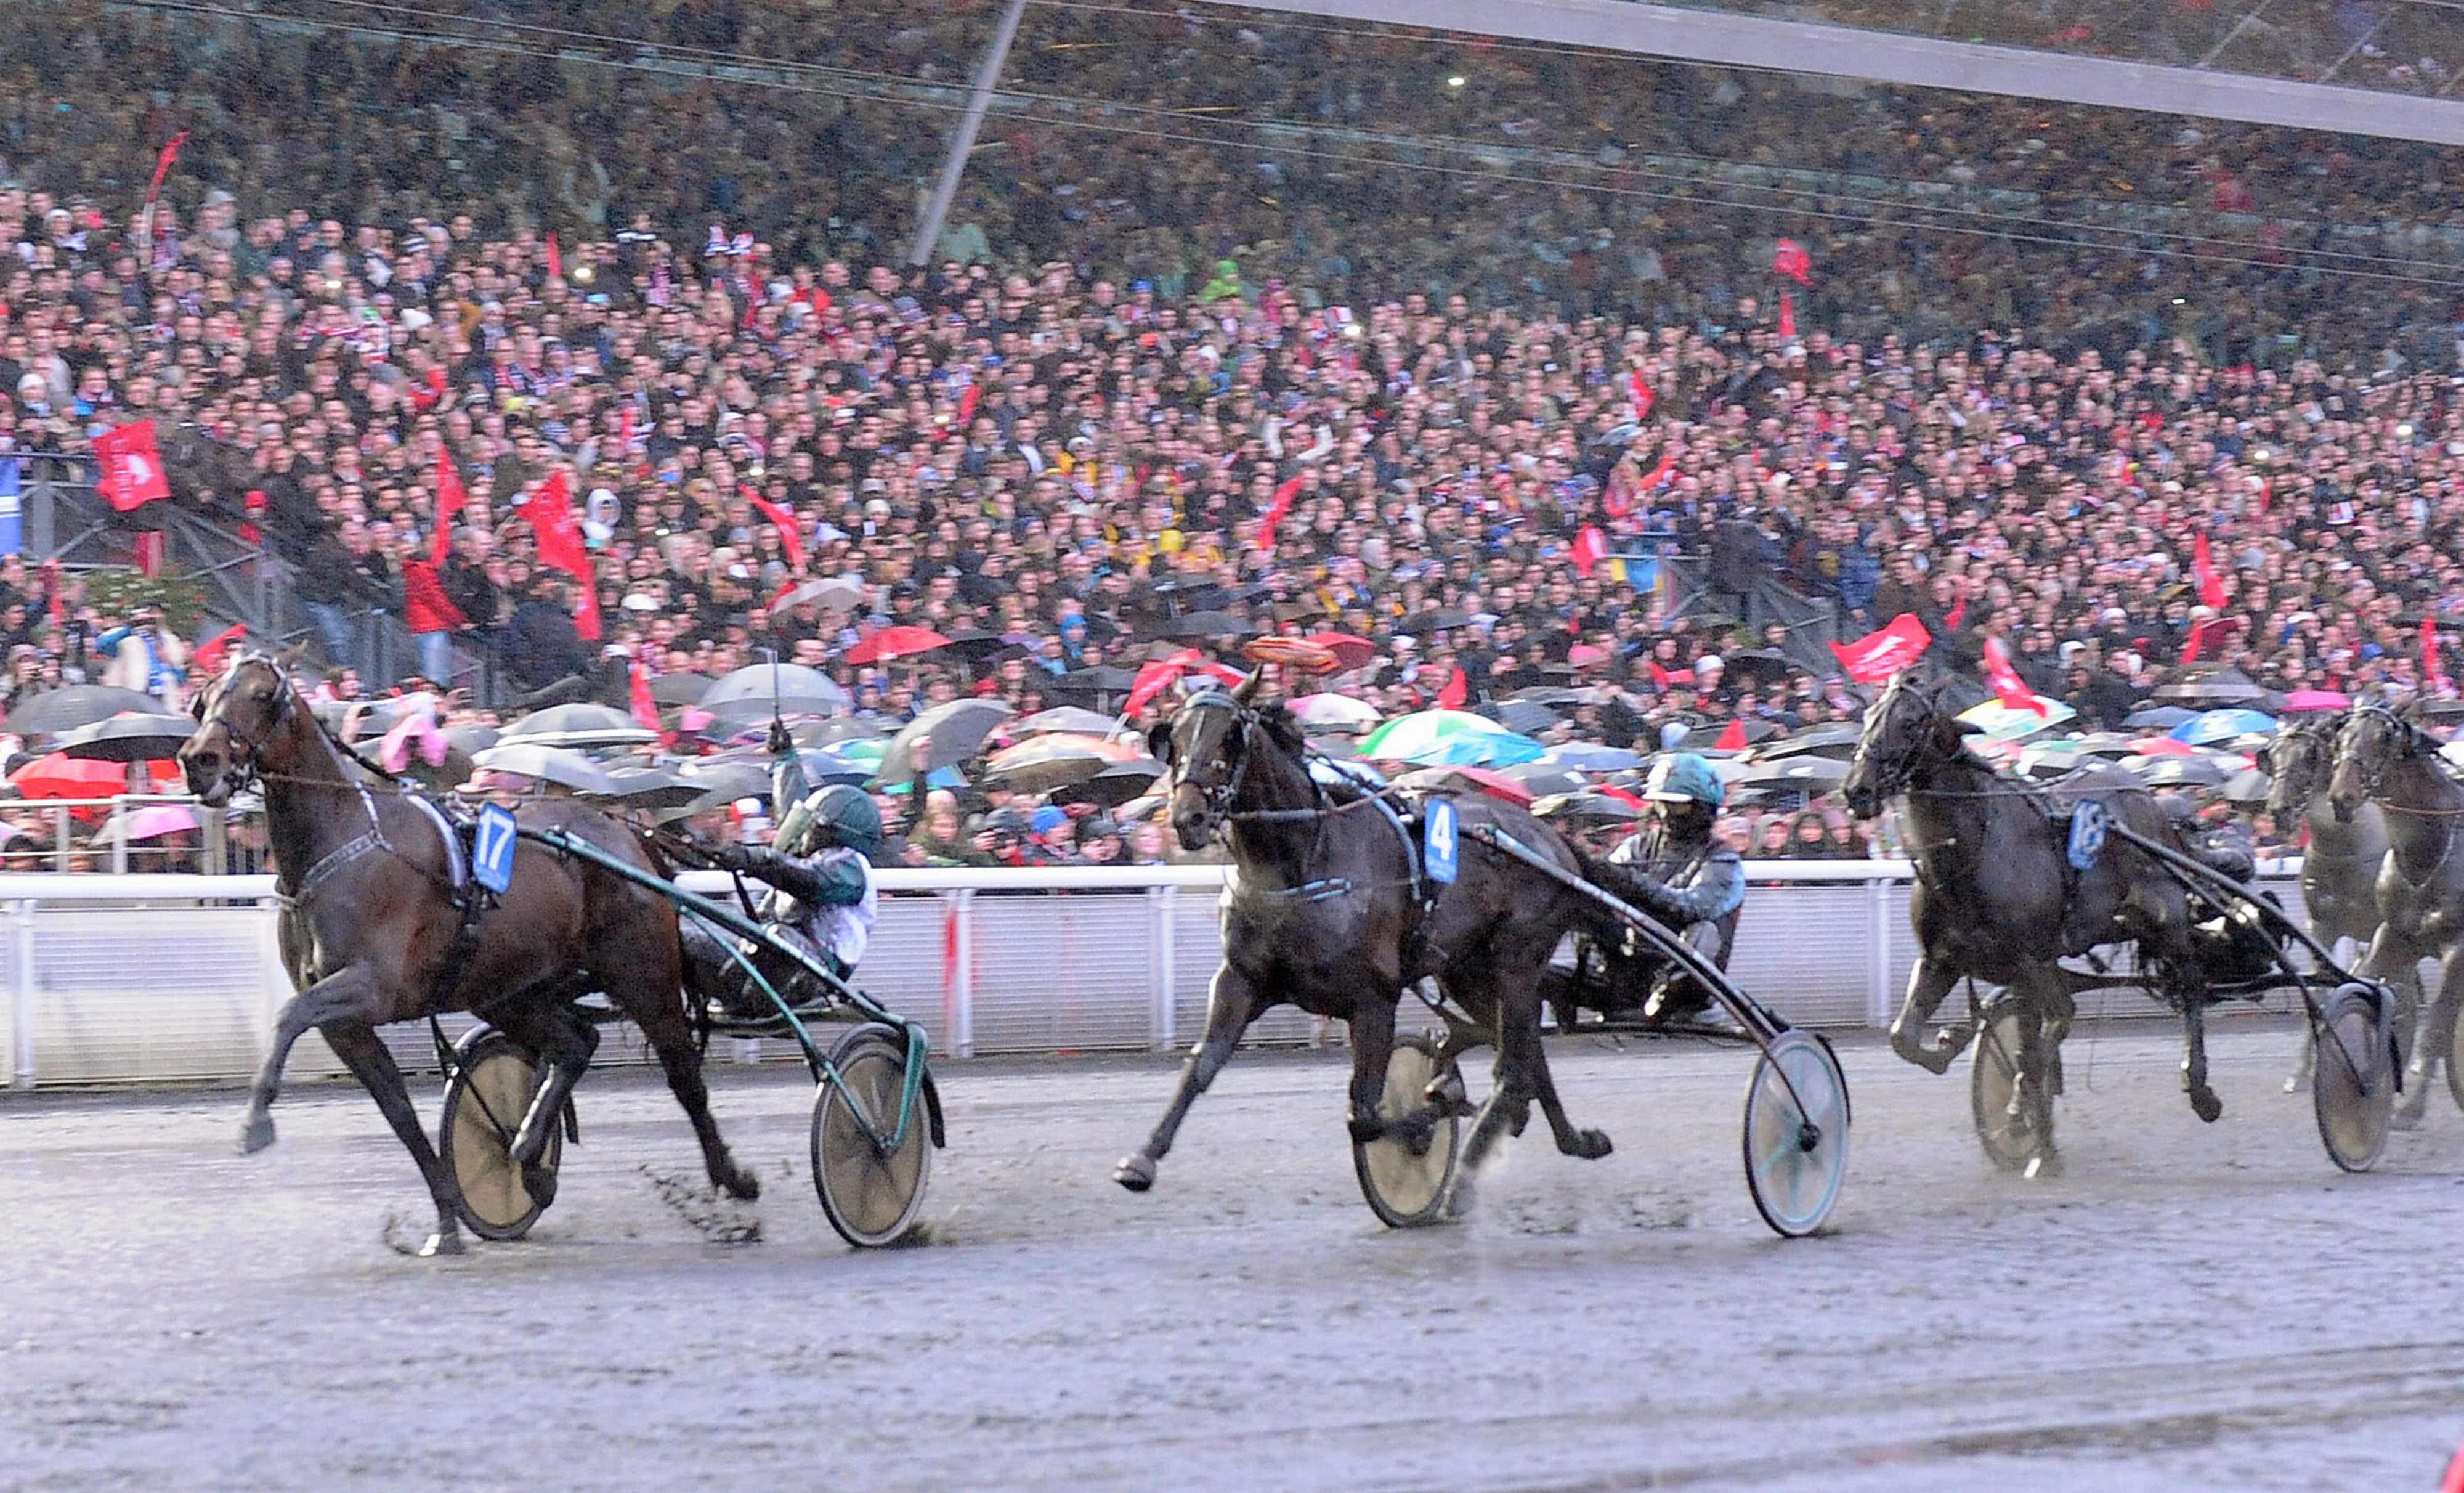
(1111, 412)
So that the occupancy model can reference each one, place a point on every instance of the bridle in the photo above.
(248, 754)
(1218, 797)
(1892, 774)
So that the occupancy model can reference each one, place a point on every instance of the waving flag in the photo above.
(779, 514)
(2211, 586)
(549, 512)
(1790, 258)
(2008, 687)
(1877, 655)
(1282, 504)
(132, 466)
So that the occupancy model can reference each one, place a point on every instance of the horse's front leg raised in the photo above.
(1516, 1080)
(1232, 1003)
(349, 994)
(1929, 983)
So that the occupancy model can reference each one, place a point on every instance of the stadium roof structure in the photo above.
(1731, 38)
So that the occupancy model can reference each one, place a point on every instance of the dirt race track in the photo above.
(2190, 1307)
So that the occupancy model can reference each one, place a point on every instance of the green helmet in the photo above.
(838, 815)
(1683, 777)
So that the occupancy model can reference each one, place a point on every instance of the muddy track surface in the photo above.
(2189, 1307)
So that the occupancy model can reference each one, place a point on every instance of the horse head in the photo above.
(1207, 746)
(2375, 738)
(1904, 728)
(238, 716)
(2300, 761)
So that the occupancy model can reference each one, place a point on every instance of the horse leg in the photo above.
(1519, 1058)
(663, 1024)
(565, 1041)
(348, 994)
(2436, 1041)
(1373, 1047)
(2193, 996)
(2393, 960)
(365, 1054)
(1929, 983)
(2032, 1084)
(2307, 1062)
(1231, 1004)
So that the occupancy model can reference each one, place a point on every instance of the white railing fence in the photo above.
(166, 978)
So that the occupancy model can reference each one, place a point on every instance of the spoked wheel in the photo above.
(1796, 1134)
(484, 1105)
(2004, 1123)
(1404, 1176)
(2352, 1085)
(871, 1157)
(2454, 1079)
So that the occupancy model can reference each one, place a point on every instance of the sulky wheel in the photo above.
(484, 1105)
(870, 1172)
(1404, 1175)
(2352, 1084)
(2002, 1122)
(1796, 1133)
(2454, 1079)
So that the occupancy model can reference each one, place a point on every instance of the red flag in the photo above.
(1732, 737)
(1281, 505)
(424, 605)
(210, 655)
(784, 516)
(2211, 586)
(2008, 687)
(452, 498)
(2197, 642)
(1787, 315)
(554, 259)
(1877, 655)
(2429, 654)
(1790, 258)
(1455, 690)
(549, 512)
(1659, 474)
(163, 163)
(967, 407)
(646, 710)
(1156, 678)
(132, 466)
(1591, 547)
(1642, 394)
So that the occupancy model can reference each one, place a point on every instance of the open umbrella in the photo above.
(943, 736)
(2162, 746)
(72, 705)
(2003, 722)
(1482, 780)
(1075, 720)
(128, 738)
(893, 642)
(1040, 763)
(1463, 749)
(2182, 771)
(2053, 759)
(728, 780)
(830, 593)
(1707, 737)
(2317, 700)
(821, 768)
(1528, 716)
(1589, 757)
(680, 689)
(1102, 678)
(1823, 740)
(2223, 687)
(1204, 624)
(1405, 737)
(2249, 786)
(1349, 652)
(153, 821)
(1334, 713)
(800, 690)
(655, 788)
(837, 731)
(559, 765)
(63, 776)
(1586, 807)
(1121, 783)
(471, 739)
(1808, 773)
(2216, 725)
(2159, 718)
(1546, 778)
(578, 726)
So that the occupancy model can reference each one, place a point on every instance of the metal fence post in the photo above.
(22, 1066)
(961, 991)
(1880, 997)
(1167, 963)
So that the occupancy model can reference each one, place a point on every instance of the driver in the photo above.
(1676, 871)
(822, 900)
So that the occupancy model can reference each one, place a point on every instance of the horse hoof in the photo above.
(443, 1243)
(1933, 1059)
(2407, 1117)
(1590, 1146)
(2206, 1106)
(741, 1185)
(540, 1183)
(255, 1135)
(1135, 1173)
(2044, 1166)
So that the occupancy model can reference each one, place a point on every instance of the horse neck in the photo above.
(313, 805)
(1949, 799)
(2335, 840)
(2423, 808)
(1274, 780)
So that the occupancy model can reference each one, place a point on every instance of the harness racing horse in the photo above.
(2387, 759)
(2340, 868)
(371, 932)
(1324, 911)
(1997, 901)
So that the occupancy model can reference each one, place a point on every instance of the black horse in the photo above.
(2385, 757)
(1996, 899)
(2340, 867)
(1327, 910)
(371, 933)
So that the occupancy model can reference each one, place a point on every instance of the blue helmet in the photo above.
(1683, 777)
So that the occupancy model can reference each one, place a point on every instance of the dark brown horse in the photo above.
(371, 934)
(2385, 757)
(1321, 912)
(1996, 900)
